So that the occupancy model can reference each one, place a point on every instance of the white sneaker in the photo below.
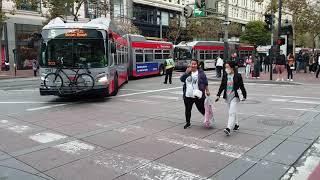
(282, 79)
(291, 80)
(278, 80)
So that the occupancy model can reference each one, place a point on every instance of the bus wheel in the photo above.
(116, 86)
(161, 70)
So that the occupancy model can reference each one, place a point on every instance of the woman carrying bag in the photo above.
(194, 89)
(230, 84)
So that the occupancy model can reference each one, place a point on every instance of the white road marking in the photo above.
(22, 102)
(302, 109)
(177, 92)
(294, 101)
(46, 137)
(295, 97)
(164, 97)
(19, 129)
(139, 101)
(150, 91)
(267, 115)
(221, 148)
(74, 147)
(139, 90)
(150, 170)
(45, 107)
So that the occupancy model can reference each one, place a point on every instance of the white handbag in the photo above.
(197, 93)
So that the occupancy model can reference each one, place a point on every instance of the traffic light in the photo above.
(200, 3)
(187, 11)
(268, 18)
(281, 41)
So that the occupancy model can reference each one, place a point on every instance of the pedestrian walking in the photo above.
(318, 71)
(306, 59)
(248, 66)
(169, 65)
(194, 89)
(256, 66)
(267, 64)
(219, 66)
(35, 67)
(299, 61)
(230, 84)
(290, 66)
(280, 65)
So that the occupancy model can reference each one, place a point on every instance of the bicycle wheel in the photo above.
(53, 81)
(84, 82)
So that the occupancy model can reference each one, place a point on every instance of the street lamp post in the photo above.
(226, 32)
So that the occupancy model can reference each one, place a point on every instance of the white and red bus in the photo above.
(95, 49)
(147, 57)
(206, 52)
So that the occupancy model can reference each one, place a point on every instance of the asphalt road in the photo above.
(139, 133)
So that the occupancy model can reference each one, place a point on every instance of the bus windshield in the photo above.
(182, 54)
(69, 49)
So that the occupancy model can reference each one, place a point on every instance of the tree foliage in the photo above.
(205, 29)
(256, 34)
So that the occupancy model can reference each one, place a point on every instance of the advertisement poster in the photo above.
(146, 68)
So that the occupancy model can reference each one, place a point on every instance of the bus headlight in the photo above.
(102, 79)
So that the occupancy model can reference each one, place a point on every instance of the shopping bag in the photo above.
(208, 116)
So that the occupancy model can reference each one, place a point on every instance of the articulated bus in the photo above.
(206, 52)
(147, 57)
(82, 58)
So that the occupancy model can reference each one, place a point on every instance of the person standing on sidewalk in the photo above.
(280, 65)
(290, 66)
(230, 84)
(248, 66)
(35, 67)
(318, 71)
(169, 65)
(306, 59)
(194, 89)
(267, 64)
(299, 61)
(219, 66)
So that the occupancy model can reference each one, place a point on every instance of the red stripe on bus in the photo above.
(246, 48)
(208, 47)
(151, 45)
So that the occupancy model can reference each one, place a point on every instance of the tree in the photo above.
(205, 29)
(256, 34)
(174, 30)
(127, 27)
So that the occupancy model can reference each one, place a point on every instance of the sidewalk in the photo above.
(299, 78)
(20, 74)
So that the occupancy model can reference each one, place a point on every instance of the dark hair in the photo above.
(231, 64)
(195, 60)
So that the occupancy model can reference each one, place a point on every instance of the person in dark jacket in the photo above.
(194, 89)
(230, 84)
(280, 65)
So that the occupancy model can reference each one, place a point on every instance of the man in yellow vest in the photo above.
(169, 65)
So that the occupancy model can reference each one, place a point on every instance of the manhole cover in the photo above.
(250, 101)
(275, 122)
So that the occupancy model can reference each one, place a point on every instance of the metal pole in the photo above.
(272, 44)
(226, 32)
(160, 25)
(280, 15)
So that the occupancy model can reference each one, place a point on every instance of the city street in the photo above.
(139, 134)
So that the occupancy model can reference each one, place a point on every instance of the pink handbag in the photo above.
(208, 116)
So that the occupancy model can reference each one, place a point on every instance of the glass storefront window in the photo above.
(25, 55)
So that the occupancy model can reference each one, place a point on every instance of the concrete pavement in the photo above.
(139, 133)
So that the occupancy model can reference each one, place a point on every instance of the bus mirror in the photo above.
(113, 48)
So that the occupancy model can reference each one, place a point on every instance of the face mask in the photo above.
(228, 71)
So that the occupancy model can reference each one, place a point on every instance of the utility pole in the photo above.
(280, 16)
(271, 55)
(226, 32)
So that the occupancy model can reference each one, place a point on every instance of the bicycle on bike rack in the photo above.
(80, 82)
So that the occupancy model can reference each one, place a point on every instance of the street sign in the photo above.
(199, 12)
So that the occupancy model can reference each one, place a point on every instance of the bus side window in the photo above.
(139, 55)
(158, 54)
